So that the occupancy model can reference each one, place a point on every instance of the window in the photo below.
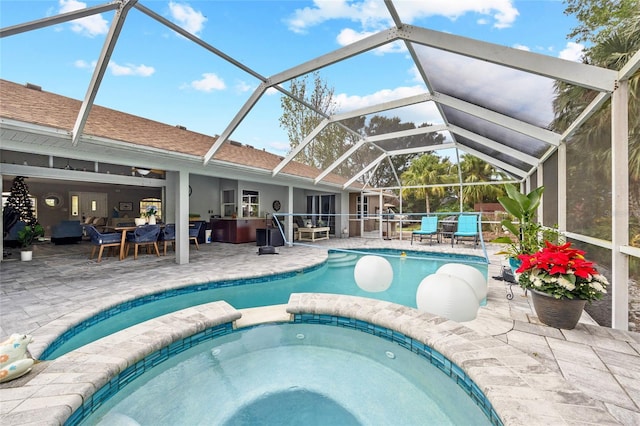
(151, 202)
(228, 203)
(250, 203)
(362, 206)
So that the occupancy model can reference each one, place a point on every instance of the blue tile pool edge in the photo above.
(128, 375)
(191, 288)
(153, 297)
(134, 371)
(450, 369)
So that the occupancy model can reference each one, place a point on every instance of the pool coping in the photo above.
(520, 388)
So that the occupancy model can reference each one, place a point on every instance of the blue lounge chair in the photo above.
(467, 228)
(428, 226)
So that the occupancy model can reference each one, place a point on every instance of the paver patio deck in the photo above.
(61, 285)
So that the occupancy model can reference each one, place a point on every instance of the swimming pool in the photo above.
(334, 276)
(293, 374)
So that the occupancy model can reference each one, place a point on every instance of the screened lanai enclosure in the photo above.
(467, 98)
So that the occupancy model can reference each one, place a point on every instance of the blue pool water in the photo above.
(336, 276)
(293, 374)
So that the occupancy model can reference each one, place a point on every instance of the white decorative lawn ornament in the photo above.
(471, 275)
(373, 273)
(447, 296)
(14, 361)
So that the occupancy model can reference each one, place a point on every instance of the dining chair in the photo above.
(102, 240)
(194, 232)
(169, 236)
(143, 236)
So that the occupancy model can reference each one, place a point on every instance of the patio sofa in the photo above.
(66, 232)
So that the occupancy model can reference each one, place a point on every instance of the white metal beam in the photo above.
(340, 159)
(353, 49)
(495, 145)
(235, 122)
(422, 149)
(583, 75)
(58, 19)
(620, 206)
(594, 106)
(365, 170)
(306, 141)
(501, 164)
(384, 106)
(501, 120)
(100, 69)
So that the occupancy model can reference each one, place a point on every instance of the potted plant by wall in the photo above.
(561, 281)
(529, 235)
(26, 236)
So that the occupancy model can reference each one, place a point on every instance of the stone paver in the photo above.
(587, 375)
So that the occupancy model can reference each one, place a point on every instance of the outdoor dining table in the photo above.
(123, 240)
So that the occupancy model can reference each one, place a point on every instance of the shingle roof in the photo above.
(32, 105)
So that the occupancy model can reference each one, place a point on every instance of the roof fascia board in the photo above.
(353, 49)
(76, 175)
(418, 150)
(100, 69)
(508, 167)
(248, 105)
(502, 120)
(385, 106)
(495, 145)
(300, 147)
(584, 75)
(58, 19)
(365, 170)
(22, 126)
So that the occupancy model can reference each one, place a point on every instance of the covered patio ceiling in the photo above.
(508, 128)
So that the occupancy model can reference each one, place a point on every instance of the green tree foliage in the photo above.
(334, 139)
(475, 170)
(614, 27)
(599, 19)
(429, 169)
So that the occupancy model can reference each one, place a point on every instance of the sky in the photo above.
(157, 74)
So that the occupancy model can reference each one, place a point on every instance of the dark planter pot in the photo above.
(557, 313)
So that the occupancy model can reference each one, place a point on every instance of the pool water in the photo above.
(292, 374)
(334, 277)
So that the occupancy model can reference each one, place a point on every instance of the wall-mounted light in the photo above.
(143, 172)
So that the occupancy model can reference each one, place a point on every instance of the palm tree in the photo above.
(476, 170)
(428, 169)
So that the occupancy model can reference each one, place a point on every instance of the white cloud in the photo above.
(243, 86)
(373, 14)
(522, 47)
(425, 112)
(82, 64)
(187, 18)
(90, 26)
(208, 83)
(348, 36)
(573, 52)
(130, 69)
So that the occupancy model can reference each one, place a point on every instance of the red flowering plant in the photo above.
(561, 271)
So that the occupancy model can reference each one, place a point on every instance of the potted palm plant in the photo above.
(26, 236)
(529, 235)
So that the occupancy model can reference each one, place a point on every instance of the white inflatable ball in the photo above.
(447, 296)
(471, 275)
(373, 273)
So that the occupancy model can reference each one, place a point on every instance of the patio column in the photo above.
(620, 205)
